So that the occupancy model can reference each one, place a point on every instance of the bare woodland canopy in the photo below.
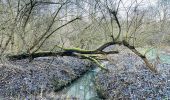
(35, 26)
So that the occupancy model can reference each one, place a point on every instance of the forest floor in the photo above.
(129, 78)
(33, 80)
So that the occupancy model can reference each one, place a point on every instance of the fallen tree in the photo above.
(85, 54)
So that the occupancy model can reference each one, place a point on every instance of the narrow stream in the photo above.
(83, 88)
(152, 54)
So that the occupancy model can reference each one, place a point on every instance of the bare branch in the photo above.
(54, 32)
(46, 32)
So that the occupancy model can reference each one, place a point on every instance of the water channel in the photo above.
(83, 88)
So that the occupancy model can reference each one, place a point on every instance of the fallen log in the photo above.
(85, 54)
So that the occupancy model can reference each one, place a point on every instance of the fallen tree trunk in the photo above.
(74, 52)
(85, 54)
(46, 54)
